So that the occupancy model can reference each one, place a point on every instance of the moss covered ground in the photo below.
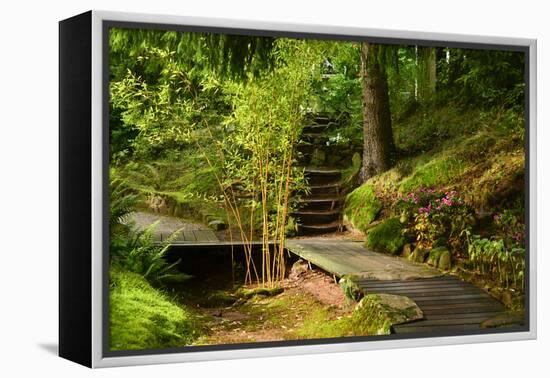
(142, 317)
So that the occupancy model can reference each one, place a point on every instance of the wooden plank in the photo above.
(456, 321)
(189, 235)
(404, 328)
(454, 315)
(417, 282)
(205, 235)
(442, 278)
(430, 290)
(462, 306)
(468, 310)
(446, 297)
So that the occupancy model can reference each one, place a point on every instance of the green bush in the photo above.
(362, 207)
(386, 237)
(142, 317)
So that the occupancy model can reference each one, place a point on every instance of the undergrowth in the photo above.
(142, 317)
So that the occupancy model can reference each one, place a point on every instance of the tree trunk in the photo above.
(426, 72)
(377, 131)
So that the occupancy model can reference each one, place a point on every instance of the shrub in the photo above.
(362, 207)
(144, 318)
(387, 236)
(434, 215)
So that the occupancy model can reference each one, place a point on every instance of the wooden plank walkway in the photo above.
(190, 237)
(448, 303)
(344, 257)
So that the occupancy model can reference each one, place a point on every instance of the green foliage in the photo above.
(134, 250)
(144, 318)
(494, 260)
(140, 254)
(122, 202)
(387, 236)
(433, 215)
(491, 77)
(362, 207)
(350, 288)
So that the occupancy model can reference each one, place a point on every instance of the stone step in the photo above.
(330, 189)
(320, 228)
(321, 176)
(320, 204)
(313, 217)
(318, 128)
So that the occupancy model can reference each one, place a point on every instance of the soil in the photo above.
(272, 318)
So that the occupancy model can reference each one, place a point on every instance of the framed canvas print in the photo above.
(234, 189)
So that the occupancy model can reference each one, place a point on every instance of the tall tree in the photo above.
(426, 76)
(378, 144)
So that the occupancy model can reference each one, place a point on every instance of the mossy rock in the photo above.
(350, 288)
(407, 250)
(386, 237)
(260, 291)
(380, 312)
(362, 207)
(220, 298)
(419, 255)
(445, 260)
(434, 254)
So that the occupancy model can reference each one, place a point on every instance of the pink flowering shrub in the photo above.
(433, 214)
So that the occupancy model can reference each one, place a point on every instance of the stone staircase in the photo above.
(321, 211)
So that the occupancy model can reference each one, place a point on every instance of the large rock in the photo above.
(407, 250)
(350, 288)
(419, 255)
(440, 257)
(298, 268)
(387, 310)
(445, 260)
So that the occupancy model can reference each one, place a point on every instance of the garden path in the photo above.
(449, 305)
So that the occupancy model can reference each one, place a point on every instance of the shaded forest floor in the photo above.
(299, 308)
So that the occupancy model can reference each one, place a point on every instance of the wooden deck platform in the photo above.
(448, 303)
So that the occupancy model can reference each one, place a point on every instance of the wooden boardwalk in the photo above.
(449, 304)
(344, 257)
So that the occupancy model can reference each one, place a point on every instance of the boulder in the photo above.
(350, 288)
(298, 268)
(407, 250)
(445, 260)
(386, 310)
(440, 257)
(419, 255)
